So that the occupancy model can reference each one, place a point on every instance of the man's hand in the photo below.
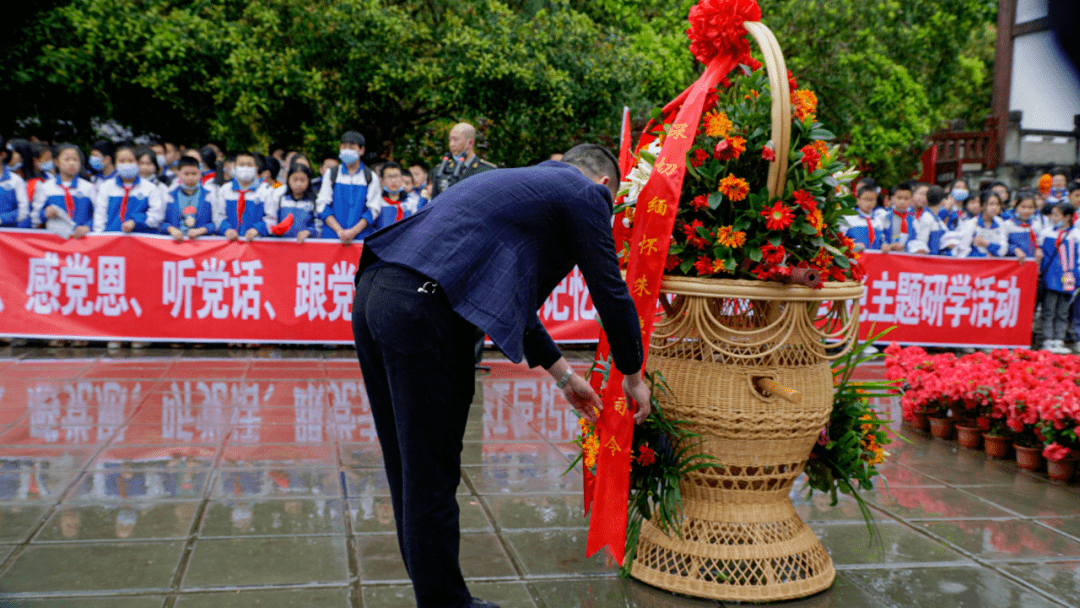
(195, 233)
(636, 390)
(251, 234)
(583, 398)
(231, 234)
(302, 236)
(1020, 255)
(346, 235)
(80, 231)
(128, 226)
(980, 242)
(51, 212)
(177, 235)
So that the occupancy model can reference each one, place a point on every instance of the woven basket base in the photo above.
(755, 561)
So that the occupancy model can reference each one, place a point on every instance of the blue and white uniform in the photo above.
(1024, 235)
(949, 217)
(227, 198)
(303, 212)
(186, 211)
(391, 212)
(14, 205)
(144, 205)
(897, 227)
(994, 233)
(51, 193)
(862, 229)
(928, 230)
(414, 202)
(1060, 251)
(348, 200)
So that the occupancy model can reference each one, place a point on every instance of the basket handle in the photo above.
(781, 103)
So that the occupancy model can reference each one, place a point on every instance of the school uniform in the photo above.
(391, 212)
(881, 215)
(928, 230)
(949, 217)
(117, 203)
(862, 229)
(994, 233)
(348, 199)
(896, 228)
(75, 198)
(414, 202)
(242, 209)
(184, 211)
(99, 179)
(1060, 254)
(14, 204)
(1024, 235)
(302, 212)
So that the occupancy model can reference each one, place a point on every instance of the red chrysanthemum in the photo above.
(729, 148)
(778, 217)
(672, 263)
(711, 99)
(690, 230)
(698, 157)
(699, 202)
(773, 255)
(811, 158)
(716, 28)
(646, 455)
(792, 84)
(822, 260)
(703, 266)
(805, 200)
(768, 154)
(735, 188)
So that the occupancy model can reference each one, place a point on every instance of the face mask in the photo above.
(160, 160)
(349, 157)
(960, 195)
(48, 166)
(16, 166)
(244, 174)
(127, 171)
(1057, 192)
(191, 190)
(95, 163)
(399, 189)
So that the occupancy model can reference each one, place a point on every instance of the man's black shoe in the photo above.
(475, 603)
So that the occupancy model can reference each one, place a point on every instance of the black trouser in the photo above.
(416, 355)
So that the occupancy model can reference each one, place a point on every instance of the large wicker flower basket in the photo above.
(741, 538)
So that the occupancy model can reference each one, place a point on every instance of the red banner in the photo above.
(943, 301)
(147, 288)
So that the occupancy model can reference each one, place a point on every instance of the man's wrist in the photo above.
(565, 378)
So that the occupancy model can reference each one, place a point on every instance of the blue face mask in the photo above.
(48, 166)
(349, 157)
(1058, 192)
(95, 163)
(15, 166)
(127, 171)
(399, 189)
(960, 195)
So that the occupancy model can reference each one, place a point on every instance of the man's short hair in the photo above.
(902, 186)
(186, 161)
(423, 166)
(864, 189)
(935, 195)
(352, 137)
(390, 165)
(106, 148)
(596, 160)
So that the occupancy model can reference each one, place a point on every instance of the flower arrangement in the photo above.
(727, 225)
(1031, 396)
(662, 454)
(845, 458)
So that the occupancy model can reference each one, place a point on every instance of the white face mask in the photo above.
(127, 171)
(244, 174)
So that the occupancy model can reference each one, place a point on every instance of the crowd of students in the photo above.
(1035, 224)
(161, 188)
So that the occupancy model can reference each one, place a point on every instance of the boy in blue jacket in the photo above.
(188, 208)
(1059, 276)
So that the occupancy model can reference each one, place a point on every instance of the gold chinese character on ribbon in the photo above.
(620, 405)
(641, 287)
(664, 168)
(648, 246)
(613, 446)
(678, 131)
(657, 205)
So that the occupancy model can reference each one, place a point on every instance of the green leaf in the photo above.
(775, 240)
(822, 134)
(806, 228)
(714, 200)
(754, 254)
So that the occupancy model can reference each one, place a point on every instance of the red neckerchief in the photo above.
(240, 209)
(1031, 232)
(123, 203)
(69, 202)
(397, 204)
(869, 228)
(903, 221)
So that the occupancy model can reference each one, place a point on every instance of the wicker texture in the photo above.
(741, 538)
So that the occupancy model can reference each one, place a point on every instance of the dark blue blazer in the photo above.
(500, 241)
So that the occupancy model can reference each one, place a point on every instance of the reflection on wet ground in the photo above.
(180, 478)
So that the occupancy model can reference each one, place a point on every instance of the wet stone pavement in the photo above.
(214, 477)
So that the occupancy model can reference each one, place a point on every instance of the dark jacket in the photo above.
(499, 242)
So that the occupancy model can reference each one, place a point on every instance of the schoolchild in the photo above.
(149, 169)
(102, 161)
(209, 158)
(1059, 184)
(862, 227)
(164, 176)
(127, 202)
(897, 224)
(67, 195)
(1024, 227)
(1059, 267)
(928, 227)
(414, 202)
(984, 235)
(188, 208)
(14, 204)
(350, 196)
(395, 199)
(294, 205)
(240, 204)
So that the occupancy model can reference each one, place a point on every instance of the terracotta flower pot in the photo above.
(969, 437)
(1061, 470)
(1029, 459)
(996, 447)
(942, 428)
(919, 422)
